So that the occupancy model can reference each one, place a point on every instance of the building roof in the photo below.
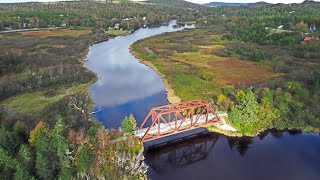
(307, 38)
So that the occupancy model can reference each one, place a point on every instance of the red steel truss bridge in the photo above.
(176, 118)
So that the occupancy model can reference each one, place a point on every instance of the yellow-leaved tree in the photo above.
(301, 26)
(35, 131)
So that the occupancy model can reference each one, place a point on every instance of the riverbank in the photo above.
(172, 98)
(215, 129)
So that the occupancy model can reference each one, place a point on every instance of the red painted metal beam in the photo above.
(187, 109)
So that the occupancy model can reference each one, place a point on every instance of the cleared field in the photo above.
(56, 32)
(189, 65)
(34, 102)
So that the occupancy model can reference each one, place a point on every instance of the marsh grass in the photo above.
(56, 32)
(187, 61)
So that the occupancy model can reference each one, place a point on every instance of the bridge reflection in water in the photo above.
(180, 152)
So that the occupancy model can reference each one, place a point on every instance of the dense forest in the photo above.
(47, 129)
(94, 15)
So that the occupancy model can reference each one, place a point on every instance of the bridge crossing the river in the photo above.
(175, 118)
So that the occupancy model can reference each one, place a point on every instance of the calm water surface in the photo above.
(126, 86)
(272, 156)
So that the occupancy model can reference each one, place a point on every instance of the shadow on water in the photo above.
(180, 152)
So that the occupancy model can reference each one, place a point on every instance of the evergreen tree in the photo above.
(9, 141)
(246, 112)
(83, 159)
(7, 164)
(22, 173)
(43, 164)
(25, 158)
(61, 146)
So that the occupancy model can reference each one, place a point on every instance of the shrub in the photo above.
(152, 55)
(227, 91)
(220, 98)
(244, 115)
(129, 124)
(252, 54)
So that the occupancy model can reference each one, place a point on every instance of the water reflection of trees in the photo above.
(242, 145)
(279, 134)
(187, 150)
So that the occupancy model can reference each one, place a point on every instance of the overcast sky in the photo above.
(194, 1)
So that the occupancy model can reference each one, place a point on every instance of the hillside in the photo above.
(217, 4)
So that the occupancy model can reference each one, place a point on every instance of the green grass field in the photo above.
(35, 102)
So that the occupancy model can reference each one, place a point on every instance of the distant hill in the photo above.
(180, 3)
(217, 4)
(258, 4)
(5, 4)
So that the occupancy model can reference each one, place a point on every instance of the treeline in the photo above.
(44, 77)
(91, 14)
(272, 15)
(257, 33)
(289, 106)
(254, 23)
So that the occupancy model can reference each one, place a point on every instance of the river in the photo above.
(126, 87)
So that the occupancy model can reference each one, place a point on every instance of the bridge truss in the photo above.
(174, 118)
